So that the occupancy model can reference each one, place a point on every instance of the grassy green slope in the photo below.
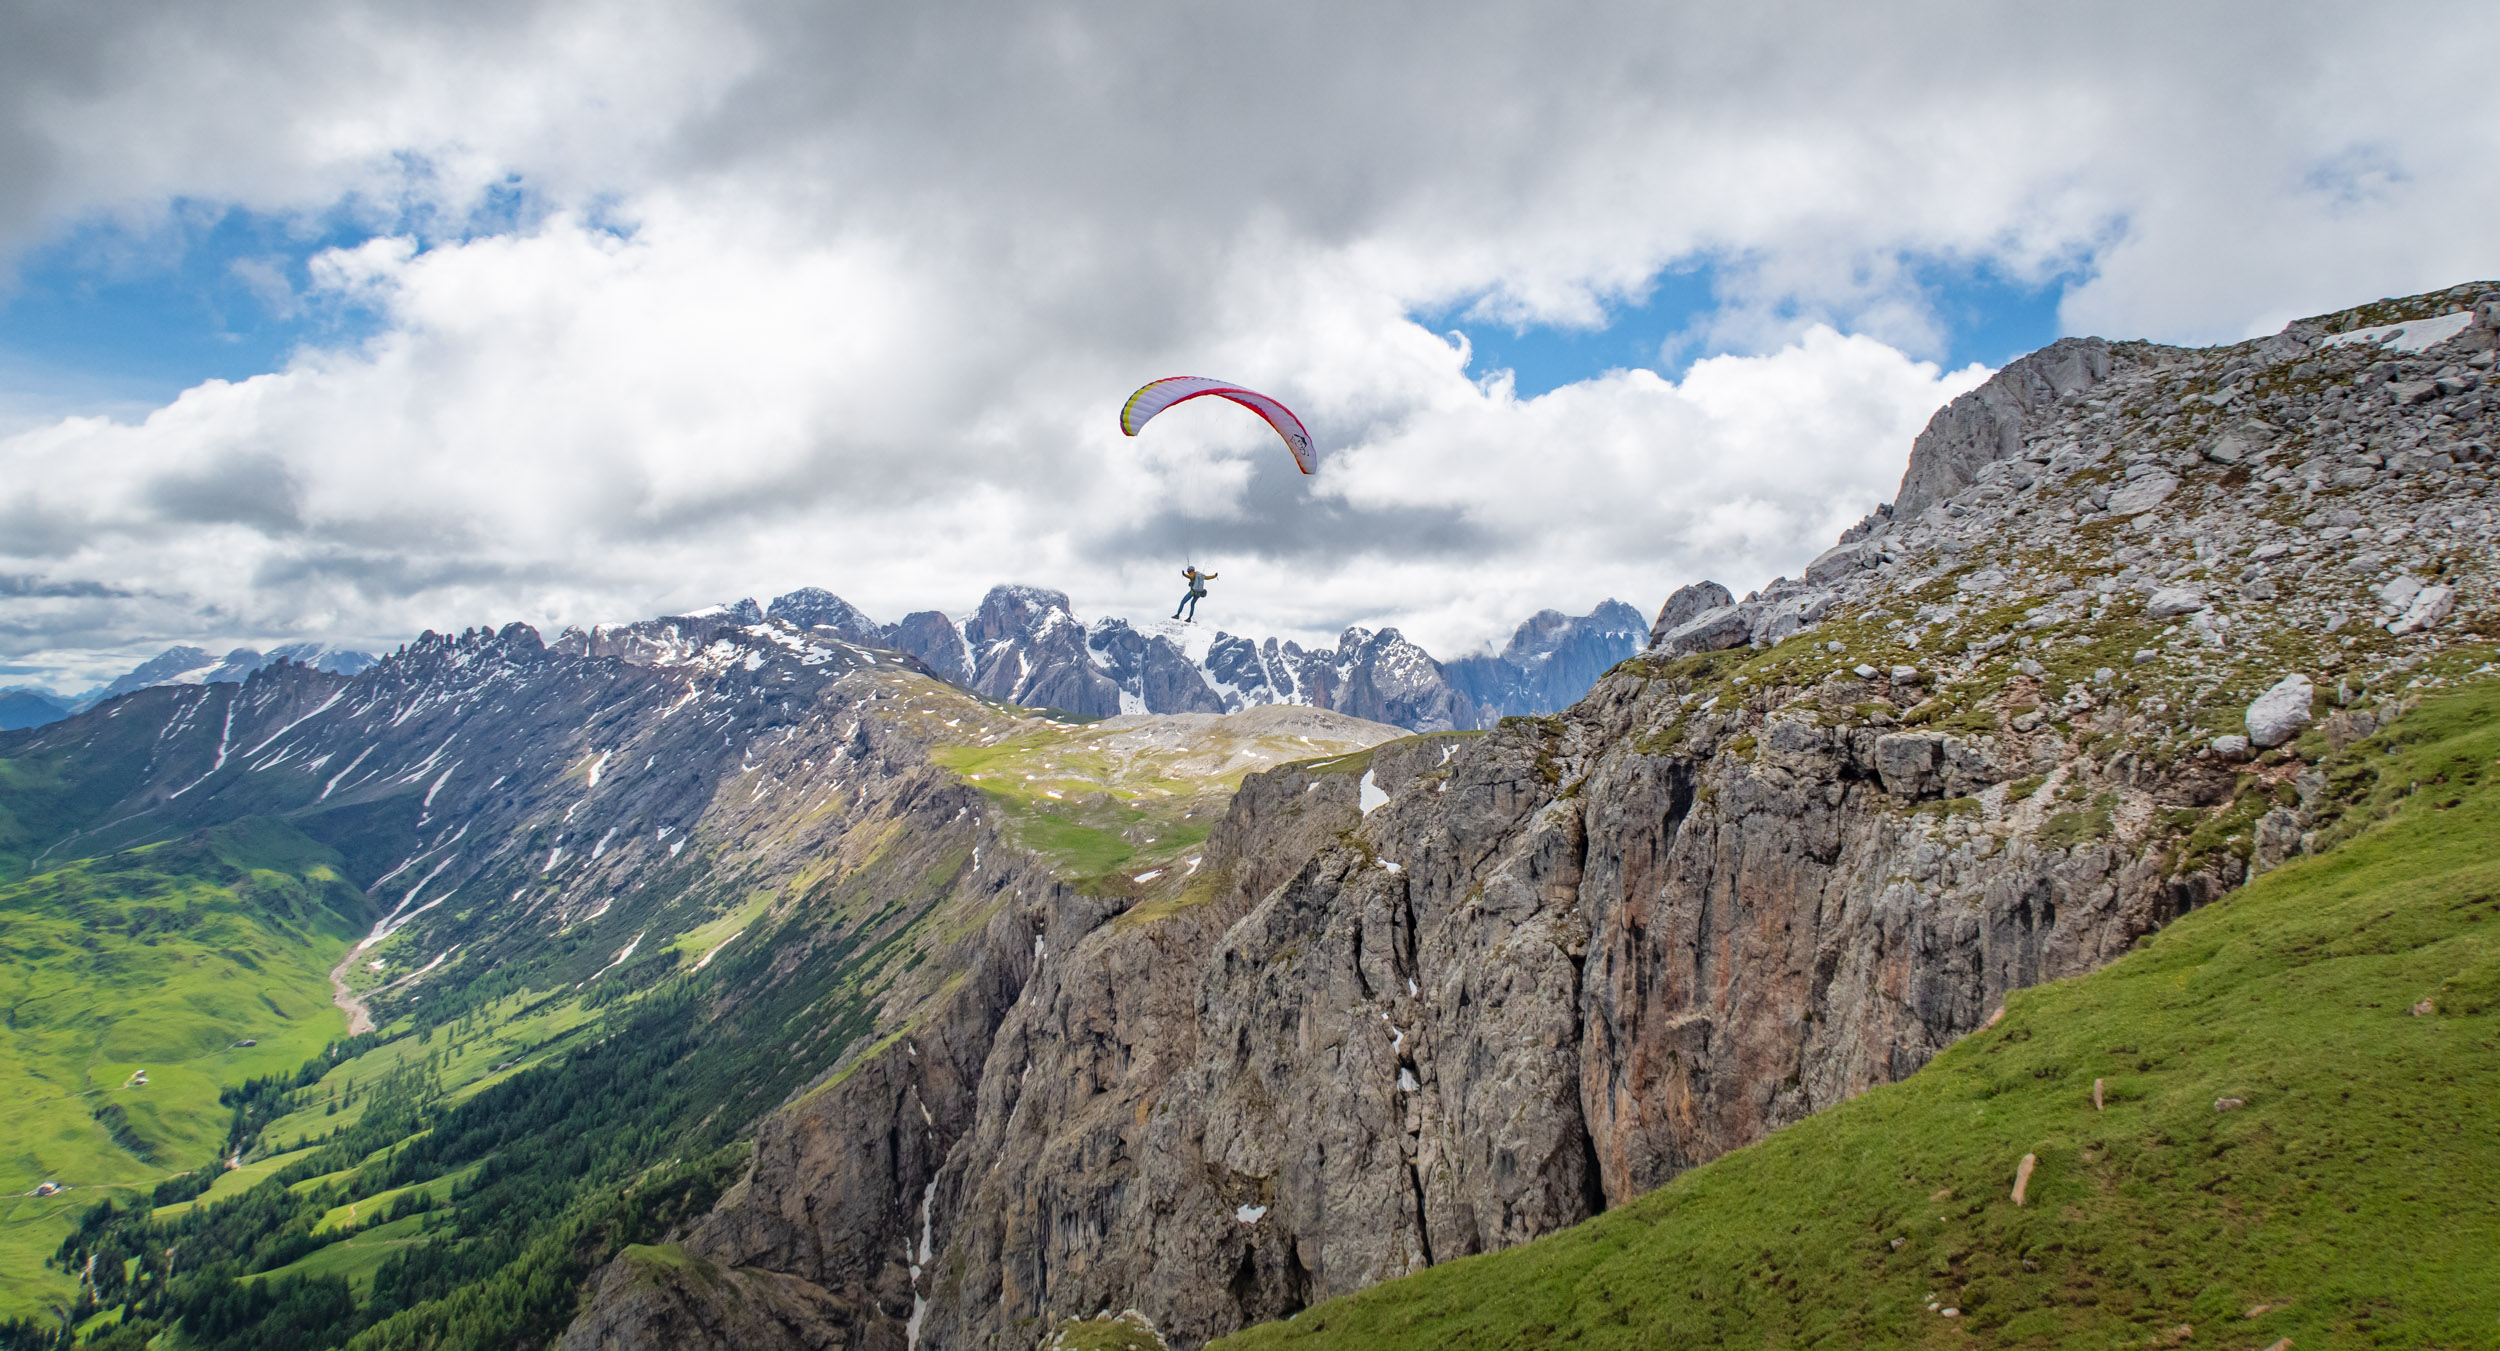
(160, 960)
(2347, 1203)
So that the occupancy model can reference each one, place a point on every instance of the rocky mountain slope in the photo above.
(1455, 992)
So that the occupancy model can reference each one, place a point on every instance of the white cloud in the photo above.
(847, 296)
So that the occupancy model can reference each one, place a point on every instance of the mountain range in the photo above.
(1025, 645)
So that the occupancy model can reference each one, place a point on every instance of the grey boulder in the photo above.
(2173, 601)
(2143, 495)
(1713, 629)
(2428, 607)
(1684, 605)
(2278, 714)
(1837, 563)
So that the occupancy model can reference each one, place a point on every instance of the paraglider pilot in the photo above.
(1197, 591)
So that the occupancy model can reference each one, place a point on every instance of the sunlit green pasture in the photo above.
(131, 984)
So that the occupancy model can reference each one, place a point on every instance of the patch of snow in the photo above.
(225, 738)
(2413, 335)
(1406, 1080)
(596, 766)
(1393, 868)
(1370, 796)
(1249, 1214)
(622, 954)
(351, 768)
(410, 898)
(1150, 876)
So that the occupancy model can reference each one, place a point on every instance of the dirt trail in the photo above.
(359, 1019)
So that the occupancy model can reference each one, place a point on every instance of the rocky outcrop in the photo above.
(934, 639)
(1988, 423)
(1027, 648)
(1686, 604)
(813, 607)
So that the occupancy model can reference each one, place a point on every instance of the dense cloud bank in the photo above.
(676, 306)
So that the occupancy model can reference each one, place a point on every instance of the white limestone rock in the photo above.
(2144, 494)
(2428, 607)
(2170, 602)
(2278, 714)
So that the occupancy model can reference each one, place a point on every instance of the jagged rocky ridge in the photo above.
(1025, 645)
(1457, 992)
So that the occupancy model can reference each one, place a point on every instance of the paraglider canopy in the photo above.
(1154, 398)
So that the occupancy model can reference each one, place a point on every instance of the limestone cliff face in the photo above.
(1463, 990)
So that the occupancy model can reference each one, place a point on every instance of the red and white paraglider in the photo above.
(1142, 407)
(1154, 398)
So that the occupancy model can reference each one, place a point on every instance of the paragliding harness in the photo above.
(1197, 592)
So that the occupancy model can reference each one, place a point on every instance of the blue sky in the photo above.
(1985, 318)
(109, 313)
(121, 313)
(106, 316)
